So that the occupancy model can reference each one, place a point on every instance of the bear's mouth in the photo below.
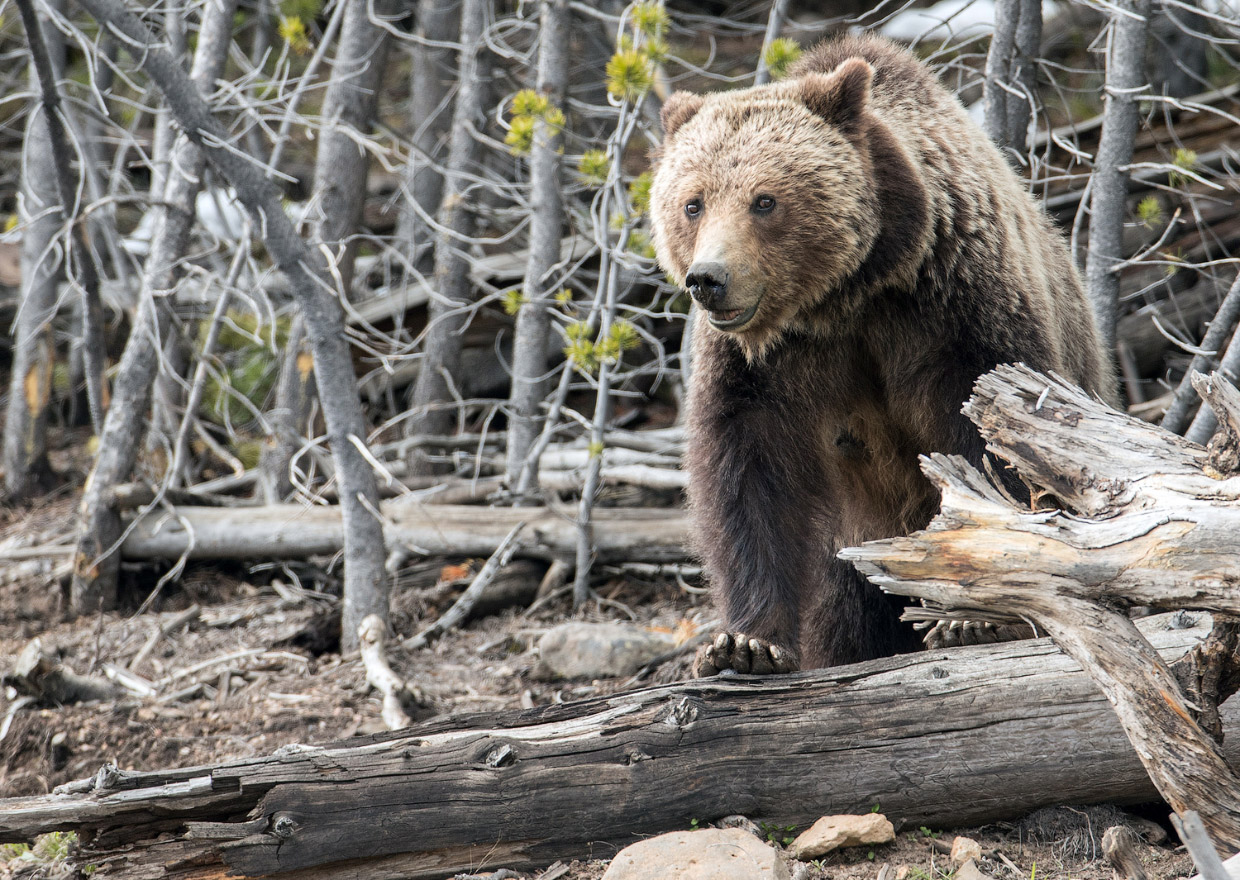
(731, 319)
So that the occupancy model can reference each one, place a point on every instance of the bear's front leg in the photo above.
(737, 652)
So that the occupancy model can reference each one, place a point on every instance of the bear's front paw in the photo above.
(960, 633)
(740, 653)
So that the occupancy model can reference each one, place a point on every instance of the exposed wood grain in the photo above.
(1154, 523)
(945, 737)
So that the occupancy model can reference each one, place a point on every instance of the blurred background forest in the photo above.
(400, 278)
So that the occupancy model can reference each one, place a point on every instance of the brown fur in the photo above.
(902, 259)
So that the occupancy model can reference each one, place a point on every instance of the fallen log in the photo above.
(1147, 518)
(947, 737)
(288, 531)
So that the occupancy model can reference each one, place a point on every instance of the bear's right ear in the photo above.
(678, 109)
(841, 95)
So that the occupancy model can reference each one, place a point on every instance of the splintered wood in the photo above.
(1127, 515)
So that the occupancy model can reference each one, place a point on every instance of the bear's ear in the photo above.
(841, 95)
(678, 109)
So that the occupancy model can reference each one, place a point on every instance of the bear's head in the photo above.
(763, 201)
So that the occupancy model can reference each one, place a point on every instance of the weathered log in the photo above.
(293, 531)
(938, 738)
(1152, 524)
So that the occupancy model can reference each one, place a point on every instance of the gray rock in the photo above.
(710, 854)
(600, 650)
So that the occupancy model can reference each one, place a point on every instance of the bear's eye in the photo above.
(764, 204)
(694, 207)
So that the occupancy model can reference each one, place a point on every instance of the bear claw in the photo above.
(737, 652)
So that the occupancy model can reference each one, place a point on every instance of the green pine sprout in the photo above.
(512, 300)
(594, 167)
(624, 336)
(564, 297)
(650, 18)
(639, 193)
(292, 30)
(520, 137)
(1186, 159)
(595, 448)
(528, 102)
(639, 243)
(781, 54)
(1149, 211)
(630, 74)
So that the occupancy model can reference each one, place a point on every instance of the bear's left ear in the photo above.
(841, 95)
(678, 109)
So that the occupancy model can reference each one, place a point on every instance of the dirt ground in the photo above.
(256, 666)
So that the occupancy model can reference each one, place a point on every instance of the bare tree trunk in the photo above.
(97, 563)
(453, 290)
(529, 353)
(774, 24)
(1125, 80)
(1220, 328)
(339, 191)
(1010, 72)
(25, 432)
(78, 246)
(365, 585)
(1206, 422)
(430, 111)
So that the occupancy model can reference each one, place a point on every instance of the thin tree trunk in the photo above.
(97, 562)
(365, 586)
(81, 259)
(1206, 422)
(774, 24)
(339, 192)
(1125, 80)
(529, 352)
(430, 111)
(1220, 328)
(453, 290)
(25, 432)
(1010, 72)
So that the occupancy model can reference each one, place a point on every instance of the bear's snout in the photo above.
(708, 284)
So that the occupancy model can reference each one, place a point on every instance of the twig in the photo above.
(372, 636)
(176, 622)
(461, 607)
(1224, 320)
(1193, 832)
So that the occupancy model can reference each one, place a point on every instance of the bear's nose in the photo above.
(707, 283)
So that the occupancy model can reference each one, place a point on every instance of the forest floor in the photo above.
(257, 667)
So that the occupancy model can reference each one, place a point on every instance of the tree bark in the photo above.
(453, 293)
(529, 352)
(430, 110)
(1153, 523)
(1010, 73)
(96, 563)
(294, 531)
(365, 584)
(81, 260)
(26, 469)
(339, 190)
(1220, 328)
(1125, 80)
(942, 738)
(774, 24)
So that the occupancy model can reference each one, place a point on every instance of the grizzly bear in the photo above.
(859, 253)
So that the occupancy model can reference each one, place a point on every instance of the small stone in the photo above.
(832, 832)
(965, 849)
(969, 871)
(710, 854)
(600, 650)
(902, 872)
